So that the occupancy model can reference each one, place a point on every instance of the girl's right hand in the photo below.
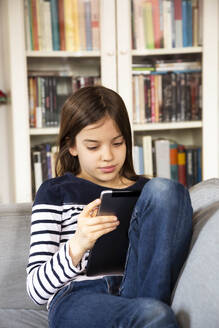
(89, 228)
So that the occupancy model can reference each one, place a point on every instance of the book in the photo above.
(138, 159)
(182, 164)
(147, 155)
(88, 31)
(174, 160)
(61, 19)
(162, 155)
(148, 24)
(178, 23)
(55, 25)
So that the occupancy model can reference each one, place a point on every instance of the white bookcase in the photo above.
(205, 132)
(114, 62)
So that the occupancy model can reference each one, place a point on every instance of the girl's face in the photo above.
(101, 151)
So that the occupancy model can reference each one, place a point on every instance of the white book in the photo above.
(138, 160)
(38, 175)
(167, 23)
(147, 153)
(162, 156)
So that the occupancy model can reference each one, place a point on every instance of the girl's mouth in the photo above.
(108, 169)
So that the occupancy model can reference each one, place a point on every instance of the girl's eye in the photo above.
(92, 148)
(117, 144)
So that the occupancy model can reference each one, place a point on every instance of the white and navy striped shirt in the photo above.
(54, 220)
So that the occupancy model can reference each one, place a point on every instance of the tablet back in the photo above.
(108, 255)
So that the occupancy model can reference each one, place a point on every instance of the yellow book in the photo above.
(81, 17)
(69, 25)
(75, 18)
(148, 24)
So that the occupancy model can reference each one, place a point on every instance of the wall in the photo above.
(5, 163)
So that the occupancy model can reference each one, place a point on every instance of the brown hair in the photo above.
(87, 106)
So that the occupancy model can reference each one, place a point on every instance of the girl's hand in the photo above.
(89, 228)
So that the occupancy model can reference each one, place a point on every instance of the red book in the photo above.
(181, 164)
(153, 118)
(35, 26)
(61, 24)
(156, 23)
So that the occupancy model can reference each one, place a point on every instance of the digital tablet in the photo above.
(108, 254)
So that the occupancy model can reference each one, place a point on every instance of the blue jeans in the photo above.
(159, 235)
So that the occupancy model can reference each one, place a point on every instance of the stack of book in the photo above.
(48, 92)
(169, 91)
(71, 25)
(168, 159)
(166, 23)
(43, 157)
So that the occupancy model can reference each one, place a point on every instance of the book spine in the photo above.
(148, 24)
(181, 165)
(189, 167)
(147, 154)
(75, 16)
(153, 114)
(82, 35)
(95, 24)
(178, 23)
(174, 161)
(189, 23)
(184, 23)
(156, 23)
(88, 31)
(162, 153)
(69, 25)
(61, 24)
(35, 25)
(55, 25)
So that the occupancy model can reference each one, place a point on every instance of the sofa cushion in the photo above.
(196, 296)
(14, 245)
(204, 194)
(23, 319)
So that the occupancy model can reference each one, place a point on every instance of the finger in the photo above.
(101, 220)
(90, 207)
(103, 226)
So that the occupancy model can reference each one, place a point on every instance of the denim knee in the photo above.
(164, 191)
(152, 312)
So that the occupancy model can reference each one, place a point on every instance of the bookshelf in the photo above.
(98, 62)
(114, 62)
(204, 132)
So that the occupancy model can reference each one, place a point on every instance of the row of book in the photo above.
(168, 159)
(43, 157)
(166, 95)
(47, 95)
(71, 25)
(166, 23)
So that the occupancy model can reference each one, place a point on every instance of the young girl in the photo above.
(95, 154)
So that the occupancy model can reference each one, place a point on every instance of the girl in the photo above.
(95, 154)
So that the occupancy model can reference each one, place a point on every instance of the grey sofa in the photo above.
(195, 299)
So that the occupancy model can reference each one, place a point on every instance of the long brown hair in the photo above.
(87, 106)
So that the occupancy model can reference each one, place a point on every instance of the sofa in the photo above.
(195, 299)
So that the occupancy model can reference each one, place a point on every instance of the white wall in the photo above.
(5, 163)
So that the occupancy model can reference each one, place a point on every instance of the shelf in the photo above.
(167, 126)
(44, 131)
(79, 54)
(166, 51)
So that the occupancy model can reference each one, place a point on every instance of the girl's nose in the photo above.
(107, 154)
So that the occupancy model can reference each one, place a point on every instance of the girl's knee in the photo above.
(157, 313)
(162, 189)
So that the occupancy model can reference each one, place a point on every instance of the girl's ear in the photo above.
(73, 151)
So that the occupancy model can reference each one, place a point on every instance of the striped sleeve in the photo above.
(50, 266)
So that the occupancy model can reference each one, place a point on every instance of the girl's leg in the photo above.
(88, 304)
(160, 233)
